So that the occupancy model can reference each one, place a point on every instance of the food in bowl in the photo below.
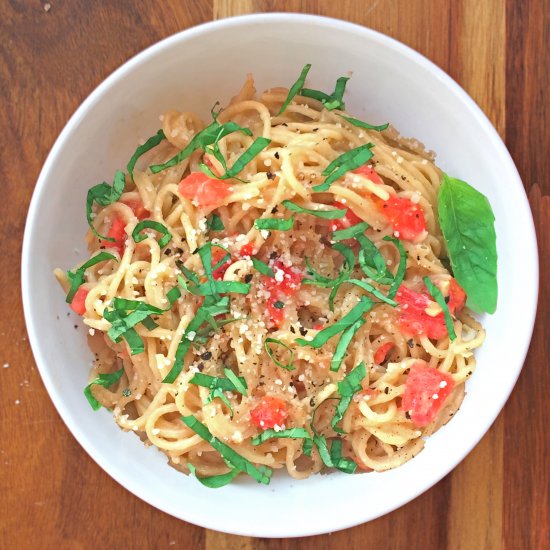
(285, 286)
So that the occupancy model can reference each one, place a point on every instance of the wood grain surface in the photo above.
(52, 55)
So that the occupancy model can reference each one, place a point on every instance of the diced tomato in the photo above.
(413, 319)
(269, 412)
(369, 173)
(276, 315)
(457, 297)
(289, 285)
(117, 233)
(78, 305)
(247, 250)
(137, 206)
(406, 217)
(204, 191)
(347, 221)
(426, 389)
(381, 352)
(217, 255)
(319, 326)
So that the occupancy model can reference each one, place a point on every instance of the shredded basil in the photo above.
(156, 226)
(332, 101)
(344, 163)
(347, 388)
(345, 465)
(269, 352)
(295, 88)
(261, 474)
(307, 447)
(350, 232)
(332, 214)
(344, 342)
(262, 268)
(438, 297)
(153, 141)
(365, 286)
(214, 482)
(76, 277)
(104, 194)
(291, 433)
(347, 268)
(361, 124)
(278, 224)
(214, 223)
(104, 380)
(401, 269)
(237, 384)
(372, 262)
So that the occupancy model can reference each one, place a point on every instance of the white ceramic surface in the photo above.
(190, 71)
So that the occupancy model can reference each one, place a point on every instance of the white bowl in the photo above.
(190, 71)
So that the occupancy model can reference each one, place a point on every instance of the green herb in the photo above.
(215, 482)
(238, 381)
(364, 305)
(262, 268)
(153, 141)
(321, 444)
(401, 269)
(346, 269)
(336, 101)
(217, 393)
(269, 352)
(291, 433)
(344, 163)
(365, 125)
(279, 305)
(467, 222)
(149, 324)
(261, 474)
(214, 223)
(315, 94)
(307, 447)
(343, 343)
(211, 134)
(350, 232)
(347, 388)
(372, 262)
(345, 465)
(438, 297)
(76, 277)
(332, 214)
(279, 224)
(104, 380)
(104, 194)
(156, 226)
(237, 384)
(365, 286)
(295, 88)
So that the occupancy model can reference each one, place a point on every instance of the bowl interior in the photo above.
(191, 71)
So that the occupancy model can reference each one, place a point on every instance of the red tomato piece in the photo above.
(381, 352)
(347, 221)
(369, 173)
(269, 412)
(276, 315)
(117, 233)
(217, 255)
(426, 389)
(137, 206)
(247, 250)
(413, 319)
(457, 297)
(78, 305)
(288, 286)
(407, 218)
(204, 191)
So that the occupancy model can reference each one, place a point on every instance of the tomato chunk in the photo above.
(413, 318)
(247, 250)
(78, 305)
(286, 283)
(117, 233)
(202, 190)
(369, 173)
(347, 221)
(406, 217)
(457, 297)
(381, 352)
(426, 389)
(217, 255)
(137, 206)
(269, 412)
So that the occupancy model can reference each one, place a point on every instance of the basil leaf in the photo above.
(269, 352)
(278, 224)
(364, 305)
(347, 388)
(295, 88)
(467, 222)
(104, 194)
(321, 444)
(372, 262)
(343, 164)
(134, 341)
(401, 269)
(149, 324)
(350, 232)
(156, 226)
(332, 214)
(262, 268)
(343, 343)
(345, 270)
(365, 286)
(336, 101)
(307, 447)
(291, 433)
(104, 380)
(214, 223)
(343, 464)
(153, 141)
(361, 124)
(217, 393)
(438, 297)
(76, 277)
(315, 94)
(261, 475)
(214, 482)
(237, 384)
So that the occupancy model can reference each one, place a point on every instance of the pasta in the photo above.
(246, 315)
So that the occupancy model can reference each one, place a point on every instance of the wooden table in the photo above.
(52, 55)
